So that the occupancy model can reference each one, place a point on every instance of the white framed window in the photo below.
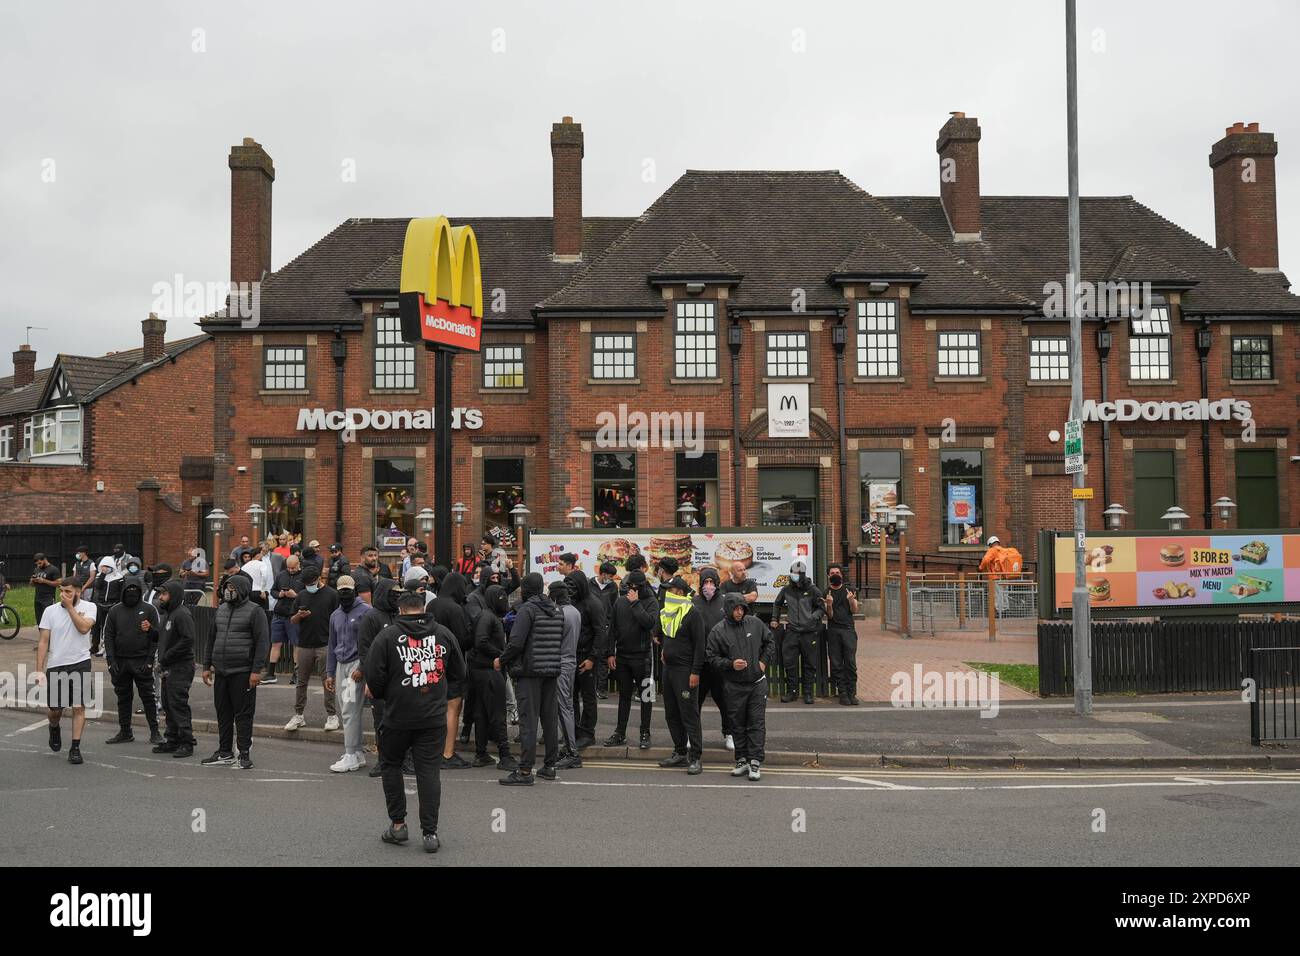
(1149, 345)
(787, 355)
(695, 341)
(503, 366)
(1049, 359)
(959, 354)
(613, 355)
(7, 443)
(878, 339)
(56, 432)
(394, 357)
(285, 368)
(27, 436)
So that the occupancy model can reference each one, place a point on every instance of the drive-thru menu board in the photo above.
(1159, 572)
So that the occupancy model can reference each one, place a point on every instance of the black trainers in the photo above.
(455, 762)
(675, 760)
(570, 761)
(482, 760)
(74, 754)
(218, 759)
(517, 778)
(121, 737)
(245, 762)
(854, 702)
(616, 740)
(547, 773)
(396, 834)
(431, 843)
(645, 742)
(375, 771)
(694, 767)
(741, 768)
(269, 678)
(787, 698)
(56, 738)
(507, 763)
(156, 738)
(582, 743)
(807, 698)
(182, 751)
(166, 747)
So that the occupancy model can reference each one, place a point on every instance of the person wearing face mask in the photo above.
(176, 662)
(383, 611)
(842, 635)
(740, 648)
(106, 593)
(592, 640)
(558, 591)
(130, 634)
(802, 602)
(284, 631)
(605, 586)
(311, 612)
(630, 644)
(448, 609)
(343, 672)
(83, 569)
(680, 636)
(490, 684)
(232, 665)
(708, 605)
(532, 659)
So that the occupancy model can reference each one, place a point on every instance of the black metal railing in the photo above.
(1275, 701)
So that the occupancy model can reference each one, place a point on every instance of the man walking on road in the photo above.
(343, 672)
(532, 659)
(681, 636)
(232, 666)
(842, 635)
(176, 662)
(740, 648)
(63, 662)
(130, 637)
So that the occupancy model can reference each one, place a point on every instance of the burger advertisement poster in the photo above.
(767, 553)
(1159, 572)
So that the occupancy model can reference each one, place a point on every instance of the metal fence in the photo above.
(1275, 706)
(59, 542)
(961, 602)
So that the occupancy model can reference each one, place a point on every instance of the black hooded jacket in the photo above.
(241, 637)
(594, 636)
(803, 606)
(176, 633)
(535, 638)
(748, 640)
(631, 624)
(448, 609)
(409, 666)
(489, 633)
(125, 634)
(383, 612)
(710, 612)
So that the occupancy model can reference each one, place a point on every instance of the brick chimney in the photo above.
(1245, 196)
(566, 185)
(24, 366)
(155, 330)
(959, 175)
(251, 176)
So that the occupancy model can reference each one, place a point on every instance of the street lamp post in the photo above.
(901, 514)
(216, 519)
(687, 512)
(882, 523)
(1114, 516)
(424, 520)
(458, 512)
(578, 516)
(1175, 517)
(255, 513)
(1225, 506)
(519, 515)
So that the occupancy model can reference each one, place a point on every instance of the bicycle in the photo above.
(10, 623)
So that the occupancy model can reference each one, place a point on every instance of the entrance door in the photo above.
(1153, 488)
(787, 496)
(1257, 493)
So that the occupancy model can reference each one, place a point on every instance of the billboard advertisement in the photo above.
(766, 552)
(1223, 573)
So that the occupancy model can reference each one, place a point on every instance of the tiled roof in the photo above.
(365, 255)
(693, 258)
(18, 401)
(873, 258)
(1024, 246)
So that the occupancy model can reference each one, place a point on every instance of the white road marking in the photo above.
(279, 780)
(34, 790)
(883, 784)
(945, 788)
(29, 728)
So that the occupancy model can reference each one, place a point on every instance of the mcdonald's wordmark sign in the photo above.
(787, 411)
(442, 285)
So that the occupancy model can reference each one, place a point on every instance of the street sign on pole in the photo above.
(1074, 447)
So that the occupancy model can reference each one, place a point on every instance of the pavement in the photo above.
(1198, 730)
(289, 810)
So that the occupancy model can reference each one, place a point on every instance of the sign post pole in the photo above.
(1079, 597)
(442, 552)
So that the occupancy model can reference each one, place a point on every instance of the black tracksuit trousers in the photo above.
(487, 689)
(584, 703)
(712, 685)
(631, 674)
(426, 753)
(128, 673)
(682, 711)
(538, 697)
(176, 703)
(799, 653)
(748, 706)
(236, 703)
(842, 645)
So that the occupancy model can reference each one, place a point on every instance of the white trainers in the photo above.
(741, 769)
(345, 764)
(332, 722)
(360, 760)
(729, 741)
(754, 772)
(296, 722)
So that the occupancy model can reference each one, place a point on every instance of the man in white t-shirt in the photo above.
(63, 662)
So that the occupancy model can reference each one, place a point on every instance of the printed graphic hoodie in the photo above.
(409, 666)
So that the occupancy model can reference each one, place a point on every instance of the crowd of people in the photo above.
(441, 656)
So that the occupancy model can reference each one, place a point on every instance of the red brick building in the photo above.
(105, 441)
(920, 338)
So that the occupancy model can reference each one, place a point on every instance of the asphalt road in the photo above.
(126, 806)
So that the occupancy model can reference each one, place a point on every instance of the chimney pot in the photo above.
(566, 189)
(251, 176)
(1245, 196)
(24, 366)
(959, 175)
(154, 331)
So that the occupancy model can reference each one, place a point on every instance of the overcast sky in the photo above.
(131, 110)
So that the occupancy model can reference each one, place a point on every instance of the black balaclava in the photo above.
(131, 594)
(347, 598)
(497, 602)
(531, 586)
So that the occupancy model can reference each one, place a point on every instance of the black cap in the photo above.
(680, 583)
(608, 568)
(336, 546)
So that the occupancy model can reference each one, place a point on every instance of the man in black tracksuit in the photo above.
(383, 612)
(842, 635)
(680, 635)
(532, 659)
(448, 609)
(411, 663)
(605, 586)
(708, 604)
(176, 661)
(489, 683)
(740, 647)
(233, 662)
(591, 648)
(631, 625)
(130, 636)
(804, 610)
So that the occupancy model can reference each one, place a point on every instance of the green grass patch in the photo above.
(1024, 676)
(21, 599)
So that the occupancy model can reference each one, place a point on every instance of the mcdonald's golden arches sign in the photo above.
(442, 285)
